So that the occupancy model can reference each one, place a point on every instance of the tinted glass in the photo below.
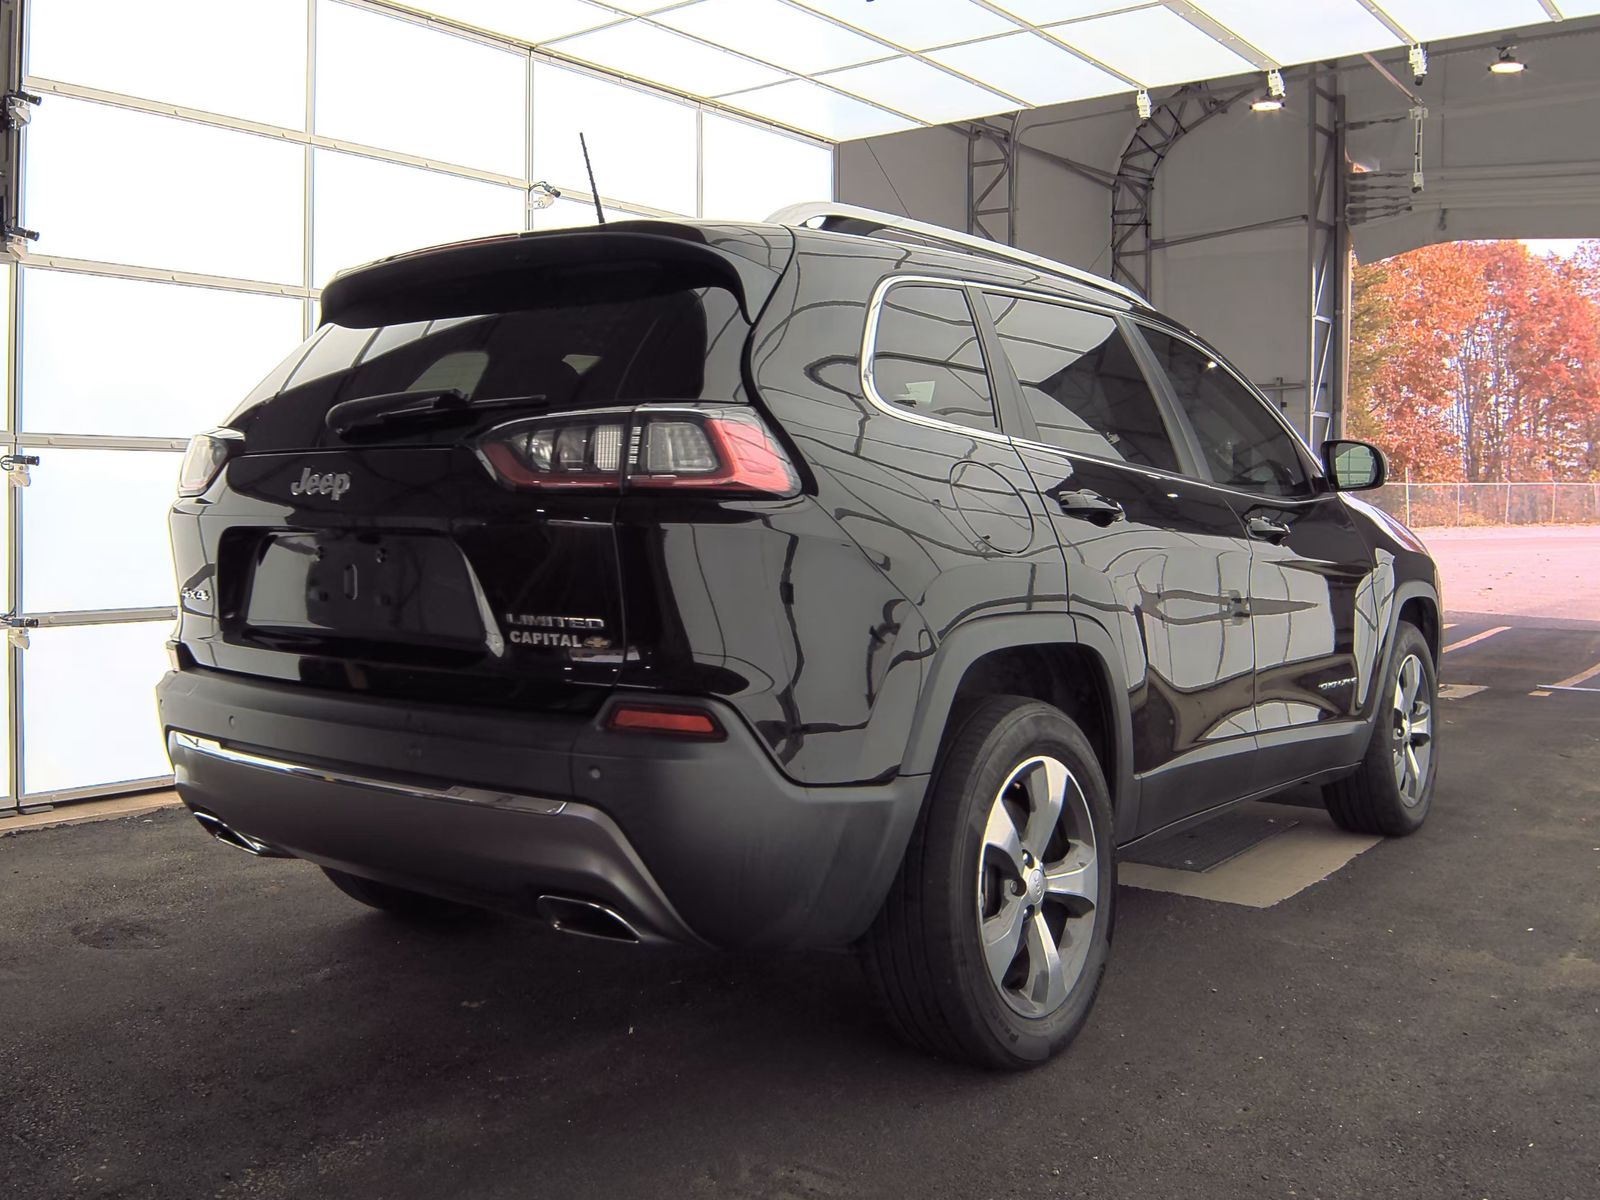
(1244, 445)
(1082, 383)
(598, 350)
(927, 358)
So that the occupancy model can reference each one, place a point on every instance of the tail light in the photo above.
(207, 454)
(718, 449)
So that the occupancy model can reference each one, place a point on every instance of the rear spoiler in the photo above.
(530, 269)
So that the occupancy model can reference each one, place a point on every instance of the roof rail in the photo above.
(965, 243)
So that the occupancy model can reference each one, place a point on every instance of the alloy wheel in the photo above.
(1413, 731)
(1038, 886)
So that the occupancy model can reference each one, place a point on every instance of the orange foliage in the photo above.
(1479, 361)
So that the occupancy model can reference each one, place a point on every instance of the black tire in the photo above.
(925, 956)
(1374, 800)
(398, 902)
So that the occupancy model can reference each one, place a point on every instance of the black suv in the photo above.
(831, 582)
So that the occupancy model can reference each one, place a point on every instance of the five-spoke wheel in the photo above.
(1413, 730)
(1391, 790)
(993, 940)
(1038, 885)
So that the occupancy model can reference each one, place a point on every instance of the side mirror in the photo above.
(1353, 466)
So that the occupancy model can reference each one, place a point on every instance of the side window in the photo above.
(927, 358)
(1082, 383)
(1244, 445)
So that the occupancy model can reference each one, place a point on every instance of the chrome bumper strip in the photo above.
(475, 797)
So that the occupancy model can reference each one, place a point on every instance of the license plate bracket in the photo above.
(374, 587)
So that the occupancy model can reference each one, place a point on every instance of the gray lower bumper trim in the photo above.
(508, 801)
(485, 846)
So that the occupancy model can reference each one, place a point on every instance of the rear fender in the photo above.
(970, 642)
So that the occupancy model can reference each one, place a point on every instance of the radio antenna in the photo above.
(599, 213)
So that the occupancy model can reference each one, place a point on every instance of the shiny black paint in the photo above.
(555, 556)
(1170, 582)
(837, 625)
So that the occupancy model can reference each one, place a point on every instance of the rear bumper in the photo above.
(697, 842)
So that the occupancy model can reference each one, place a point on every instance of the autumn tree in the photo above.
(1478, 361)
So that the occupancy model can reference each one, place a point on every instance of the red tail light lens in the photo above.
(677, 722)
(718, 449)
(207, 454)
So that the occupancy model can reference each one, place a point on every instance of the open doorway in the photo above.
(1476, 367)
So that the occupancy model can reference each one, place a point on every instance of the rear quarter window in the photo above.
(927, 359)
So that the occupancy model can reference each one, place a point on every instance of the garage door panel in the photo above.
(88, 704)
(94, 530)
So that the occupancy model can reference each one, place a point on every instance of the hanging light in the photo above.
(1507, 63)
(1417, 57)
(1141, 104)
(1273, 100)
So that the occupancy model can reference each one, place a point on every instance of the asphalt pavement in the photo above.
(178, 1020)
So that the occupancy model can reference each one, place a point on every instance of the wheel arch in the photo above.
(1414, 600)
(1417, 603)
(1070, 663)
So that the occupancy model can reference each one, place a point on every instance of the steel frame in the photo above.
(994, 151)
(988, 175)
(1134, 186)
(1327, 257)
(14, 437)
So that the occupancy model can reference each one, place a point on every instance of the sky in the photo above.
(1562, 246)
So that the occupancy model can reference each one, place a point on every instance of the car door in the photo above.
(1313, 604)
(1158, 559)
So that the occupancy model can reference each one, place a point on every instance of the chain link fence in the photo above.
(1434, 504)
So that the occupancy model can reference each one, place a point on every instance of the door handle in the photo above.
(1266, 529)
(1089, 506)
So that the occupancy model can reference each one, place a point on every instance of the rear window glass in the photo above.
(593, 353)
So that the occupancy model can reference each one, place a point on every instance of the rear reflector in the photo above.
(679, 722)
(726, 449)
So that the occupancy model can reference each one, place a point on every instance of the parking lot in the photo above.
(183, 1021)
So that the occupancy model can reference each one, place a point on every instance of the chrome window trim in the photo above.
(475, 797)
(1122, 463)
(1153, 320)
(869, 344)
(869, 347)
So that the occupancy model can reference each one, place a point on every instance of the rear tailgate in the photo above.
(388, 557)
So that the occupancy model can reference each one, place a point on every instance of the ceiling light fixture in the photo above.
(1141, 104)
(1507, 63)
(1418, 58)
(1273, 100)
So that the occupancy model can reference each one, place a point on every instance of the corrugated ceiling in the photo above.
(843, 69)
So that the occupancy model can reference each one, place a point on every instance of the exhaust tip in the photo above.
(586, 918)
(229, 836)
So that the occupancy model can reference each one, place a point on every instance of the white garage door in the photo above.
(195, 172)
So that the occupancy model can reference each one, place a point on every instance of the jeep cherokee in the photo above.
(836, 581)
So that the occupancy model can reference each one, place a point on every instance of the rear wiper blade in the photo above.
(423, 406)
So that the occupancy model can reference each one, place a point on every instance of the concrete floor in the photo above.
(182, 1021)
(1547, 571)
